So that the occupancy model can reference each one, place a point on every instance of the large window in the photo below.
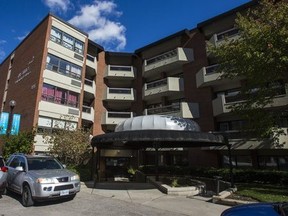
(273, 162)
(50, 125)
(66, 40)
(238, 161)
(63, 67)
(60, 96)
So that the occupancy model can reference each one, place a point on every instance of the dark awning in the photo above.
(164, 138)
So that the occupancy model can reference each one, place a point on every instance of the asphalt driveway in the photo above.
(124, 199)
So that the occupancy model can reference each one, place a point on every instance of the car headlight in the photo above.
(46, 181)
(75, 178)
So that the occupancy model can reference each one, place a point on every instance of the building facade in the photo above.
(57, 71)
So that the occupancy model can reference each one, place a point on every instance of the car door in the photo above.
(15, 177)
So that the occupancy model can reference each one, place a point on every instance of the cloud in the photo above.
(2, 52)
(20, 38)
(57, 5)
(96, 20)
(3, 42)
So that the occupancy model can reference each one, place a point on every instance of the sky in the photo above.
(117, 25)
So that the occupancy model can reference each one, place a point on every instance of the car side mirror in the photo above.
(64, 166)
(19, 168)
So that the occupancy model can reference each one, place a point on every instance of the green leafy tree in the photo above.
(21, 143)
(70, 145)
(260, 56)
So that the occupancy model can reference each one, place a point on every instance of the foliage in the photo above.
(263, 193)
(22, 143)
(260, 56)
(240, 175)
(71, 146)
(131, 171)
(84, 171)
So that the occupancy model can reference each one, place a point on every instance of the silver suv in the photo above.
(3, 176)
(39, 178)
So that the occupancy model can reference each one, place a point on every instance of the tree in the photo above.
(21, 143)
(71, 145)
(260, 56)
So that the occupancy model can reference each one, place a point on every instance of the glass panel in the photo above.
(244, 161)
(79, 46)
(56, 35)
(45, 122)
(283, 163)
(58, 124)
(68, 41)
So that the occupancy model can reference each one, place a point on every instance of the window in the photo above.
(50, 125)
(79, 46)
(238, 161)
(66, 40)
(63, 67)
(60, 96)
(273, 162)
(56, 35)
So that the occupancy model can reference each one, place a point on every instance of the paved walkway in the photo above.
(146, 194)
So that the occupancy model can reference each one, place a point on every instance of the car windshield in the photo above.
(43, 163)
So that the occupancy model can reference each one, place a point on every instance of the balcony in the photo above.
(113, 118)
(167, 61)
(183, 110)
(222, 102)
(88, 113)
(91, 61)
(208, 76)
(224, 37)
(119, 94)
(89, 86)
(125, 72)
(164, 87)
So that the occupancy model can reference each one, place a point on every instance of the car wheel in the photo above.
(27, 197)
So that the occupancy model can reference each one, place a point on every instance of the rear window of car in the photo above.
(43, 163)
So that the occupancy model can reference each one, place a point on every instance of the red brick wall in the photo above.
(202, 96)
(25, 75)
(100, 88)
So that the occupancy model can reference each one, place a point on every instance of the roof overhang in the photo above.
(139, 139)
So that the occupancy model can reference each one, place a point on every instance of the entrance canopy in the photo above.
(164, 131)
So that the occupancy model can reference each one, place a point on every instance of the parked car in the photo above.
(258, 209)
(40, 178)
(3, 176)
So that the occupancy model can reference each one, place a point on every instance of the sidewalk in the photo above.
(146, 194)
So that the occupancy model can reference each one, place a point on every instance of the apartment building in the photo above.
(247, 150)
(50, 75)
(57, 71)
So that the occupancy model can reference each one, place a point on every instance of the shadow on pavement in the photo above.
(120, 185)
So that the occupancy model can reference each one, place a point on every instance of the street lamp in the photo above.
(230, 161)
(12, 104)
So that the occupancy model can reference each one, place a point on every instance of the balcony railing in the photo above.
(162, 57)
(178, 109)
(121, 68)
(113, 118)
(164, 109)
(222, 37)
(157, 83)
(88, 82)
(90, 58)
(59, 100)
(168, 61)
(119, 115)
(86, 109)
(119, 91)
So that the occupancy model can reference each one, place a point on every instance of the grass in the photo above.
(263, 192)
